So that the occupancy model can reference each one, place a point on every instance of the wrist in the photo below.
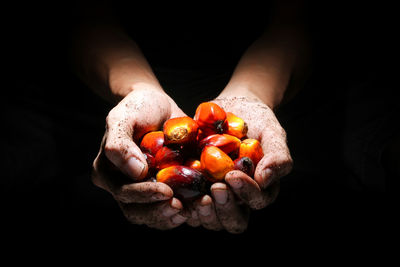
(252, 94)
(125, 76)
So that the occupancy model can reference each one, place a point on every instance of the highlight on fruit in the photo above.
(252, 149)
(236, 126)
(211, 118)
(187, 183)
(181, 130)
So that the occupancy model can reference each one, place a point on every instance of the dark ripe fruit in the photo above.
(181, 131)
(227, 143)
(245, 165)
(187, 183)
(211, 118)
(251, 148)
(152, 142)
(167, 157)
(151, 160)
(236, 126)
(215, 163)
(151, 163)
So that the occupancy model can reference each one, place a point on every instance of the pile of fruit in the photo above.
(190, 154)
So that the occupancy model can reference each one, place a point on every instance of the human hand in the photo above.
(223, 210)
(120, 166)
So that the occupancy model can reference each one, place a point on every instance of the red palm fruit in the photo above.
(251, 148)
(211, 118)
(194, 164)
(215, 163)
(167, 157)
(152, 142)
(227, 143)
(187, 183)
(181, 131)
(244, 164)
(236, 126)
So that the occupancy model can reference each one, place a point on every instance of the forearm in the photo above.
(109, 62)
(265, 69)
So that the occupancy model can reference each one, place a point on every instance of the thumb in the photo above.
(277, 161)
(121, 150)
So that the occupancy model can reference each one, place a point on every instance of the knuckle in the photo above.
(112, 116)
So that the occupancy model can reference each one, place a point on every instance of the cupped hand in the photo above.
(230, 203)
(120, 165)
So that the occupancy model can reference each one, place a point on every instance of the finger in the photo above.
(233, 218)
(272, 167)
(170, 223)
(143, 192)
(207, 215)
(121, 187)
(193, 217)
(247, 190)
(157, 215)
(119, 147)
(277, 161)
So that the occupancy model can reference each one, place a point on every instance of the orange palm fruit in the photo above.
(194, 163)
(227, 143)
(215, 162)
(252, 149)
(236, 126)
(152, 142)
(244, 164)
(187, 183)
(211, 118)
(167, 157)
(182, 130)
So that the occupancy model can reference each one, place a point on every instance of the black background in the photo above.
(53, 125)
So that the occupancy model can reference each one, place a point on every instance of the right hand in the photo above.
(120, 165)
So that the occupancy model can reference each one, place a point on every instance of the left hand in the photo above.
(223, 210)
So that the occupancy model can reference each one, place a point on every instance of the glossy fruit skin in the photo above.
(227, 143)
(236, 126)
(211, 118)
(244, 164)
(187, 183)
(182, 130)
(152, 142)
(251, 148)
(194, 164)
(151, 163)
(215, 163)
(167, 157)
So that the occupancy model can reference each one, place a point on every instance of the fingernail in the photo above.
(236, 183)
(205, 210)
(266, 177)
(178, 219)
(169, 211)
(220, 196)
(134, 167)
